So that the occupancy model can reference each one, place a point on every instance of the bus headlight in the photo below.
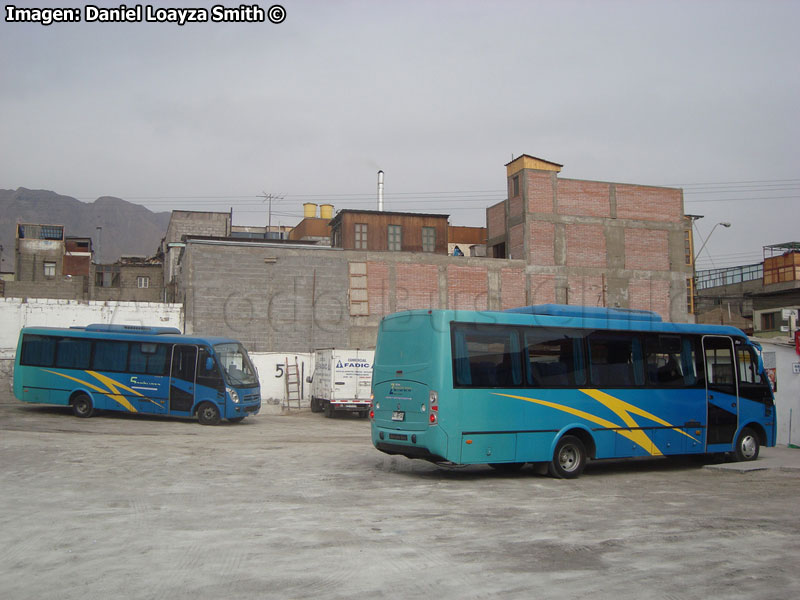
(233, 394)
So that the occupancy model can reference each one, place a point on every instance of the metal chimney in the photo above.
(380, 191)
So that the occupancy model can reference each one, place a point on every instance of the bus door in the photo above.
(182, 378)
(722, 390)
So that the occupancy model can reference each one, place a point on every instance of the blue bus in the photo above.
(130, 368)
(561, 385)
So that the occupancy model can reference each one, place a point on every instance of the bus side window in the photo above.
(487, 357)
(73, 353)
(110, 356)
(554, 359)
(665, 361)
(148, 358)
(616, 360)
(38, 350)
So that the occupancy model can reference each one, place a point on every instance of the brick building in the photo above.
(594, 243)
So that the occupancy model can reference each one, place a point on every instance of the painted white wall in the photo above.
(272, 377)
(787, 397)
(16, 313)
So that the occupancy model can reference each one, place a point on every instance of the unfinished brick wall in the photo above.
(417, 286)
(541, 243)
(647, 249)
(649, 203)
(540, 191)
(584, 198)
(516, 246)
(586, 246)
(512, 287)
(467, 288)
(649, 294)
(378, 288)
(496, 220)
(543, 289)
(586, 291)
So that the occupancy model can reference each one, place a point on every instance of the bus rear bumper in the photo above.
(428, 444)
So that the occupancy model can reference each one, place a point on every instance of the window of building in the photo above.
(428, 239)
(49, 269)
(142, 282)
(769, 321)
(361, 236)
(515, 185)
(690, 296)
(106, 276)
(395, 237)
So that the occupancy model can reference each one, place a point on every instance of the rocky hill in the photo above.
(128, 229)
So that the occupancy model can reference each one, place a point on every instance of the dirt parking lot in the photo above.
(301, 506)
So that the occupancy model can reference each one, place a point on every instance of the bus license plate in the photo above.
(398, 415)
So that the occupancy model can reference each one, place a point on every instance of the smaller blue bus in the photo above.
(562, 385)
(130, 368)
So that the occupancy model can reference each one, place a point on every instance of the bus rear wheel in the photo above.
(208, 414)
(569, 458)
(82, 406)
(747, 446)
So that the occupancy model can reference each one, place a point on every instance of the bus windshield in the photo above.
(239, 371)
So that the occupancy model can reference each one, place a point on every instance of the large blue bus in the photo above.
(562, 385)
(136, 369)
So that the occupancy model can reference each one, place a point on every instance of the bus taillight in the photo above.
(433, 401)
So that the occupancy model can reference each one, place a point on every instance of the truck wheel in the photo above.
(329, 412)
(315, 407)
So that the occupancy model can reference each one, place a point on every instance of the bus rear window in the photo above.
(486, 356)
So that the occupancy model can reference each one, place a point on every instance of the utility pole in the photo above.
(269, 198)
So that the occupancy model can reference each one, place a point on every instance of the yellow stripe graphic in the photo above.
(110, 391)
(622, 409)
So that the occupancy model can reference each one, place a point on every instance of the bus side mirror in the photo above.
(209, 363)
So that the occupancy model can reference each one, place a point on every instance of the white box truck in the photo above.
(342, 381)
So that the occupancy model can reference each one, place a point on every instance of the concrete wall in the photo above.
(787, 396)
(272, 377)
(16, 313)
(298, 299)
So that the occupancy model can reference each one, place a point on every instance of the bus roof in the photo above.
(129, 333)
(578, 317)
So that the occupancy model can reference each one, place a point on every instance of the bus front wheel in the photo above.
(569, 458)
(747, 446)
(82, 406)
(208, 414)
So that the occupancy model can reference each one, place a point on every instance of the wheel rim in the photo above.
(82, 407)
(748, 446)
(208, 413)
(568, 458)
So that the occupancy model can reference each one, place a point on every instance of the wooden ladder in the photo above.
(292, 383)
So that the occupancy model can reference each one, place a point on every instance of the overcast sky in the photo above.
(440, 95)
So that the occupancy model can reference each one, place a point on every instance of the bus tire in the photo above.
(569, 458)
(328, 409)
(747, 445)
(208, 414)
(236, 419)
(82, 406)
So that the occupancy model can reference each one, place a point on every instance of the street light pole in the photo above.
(708, 237)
